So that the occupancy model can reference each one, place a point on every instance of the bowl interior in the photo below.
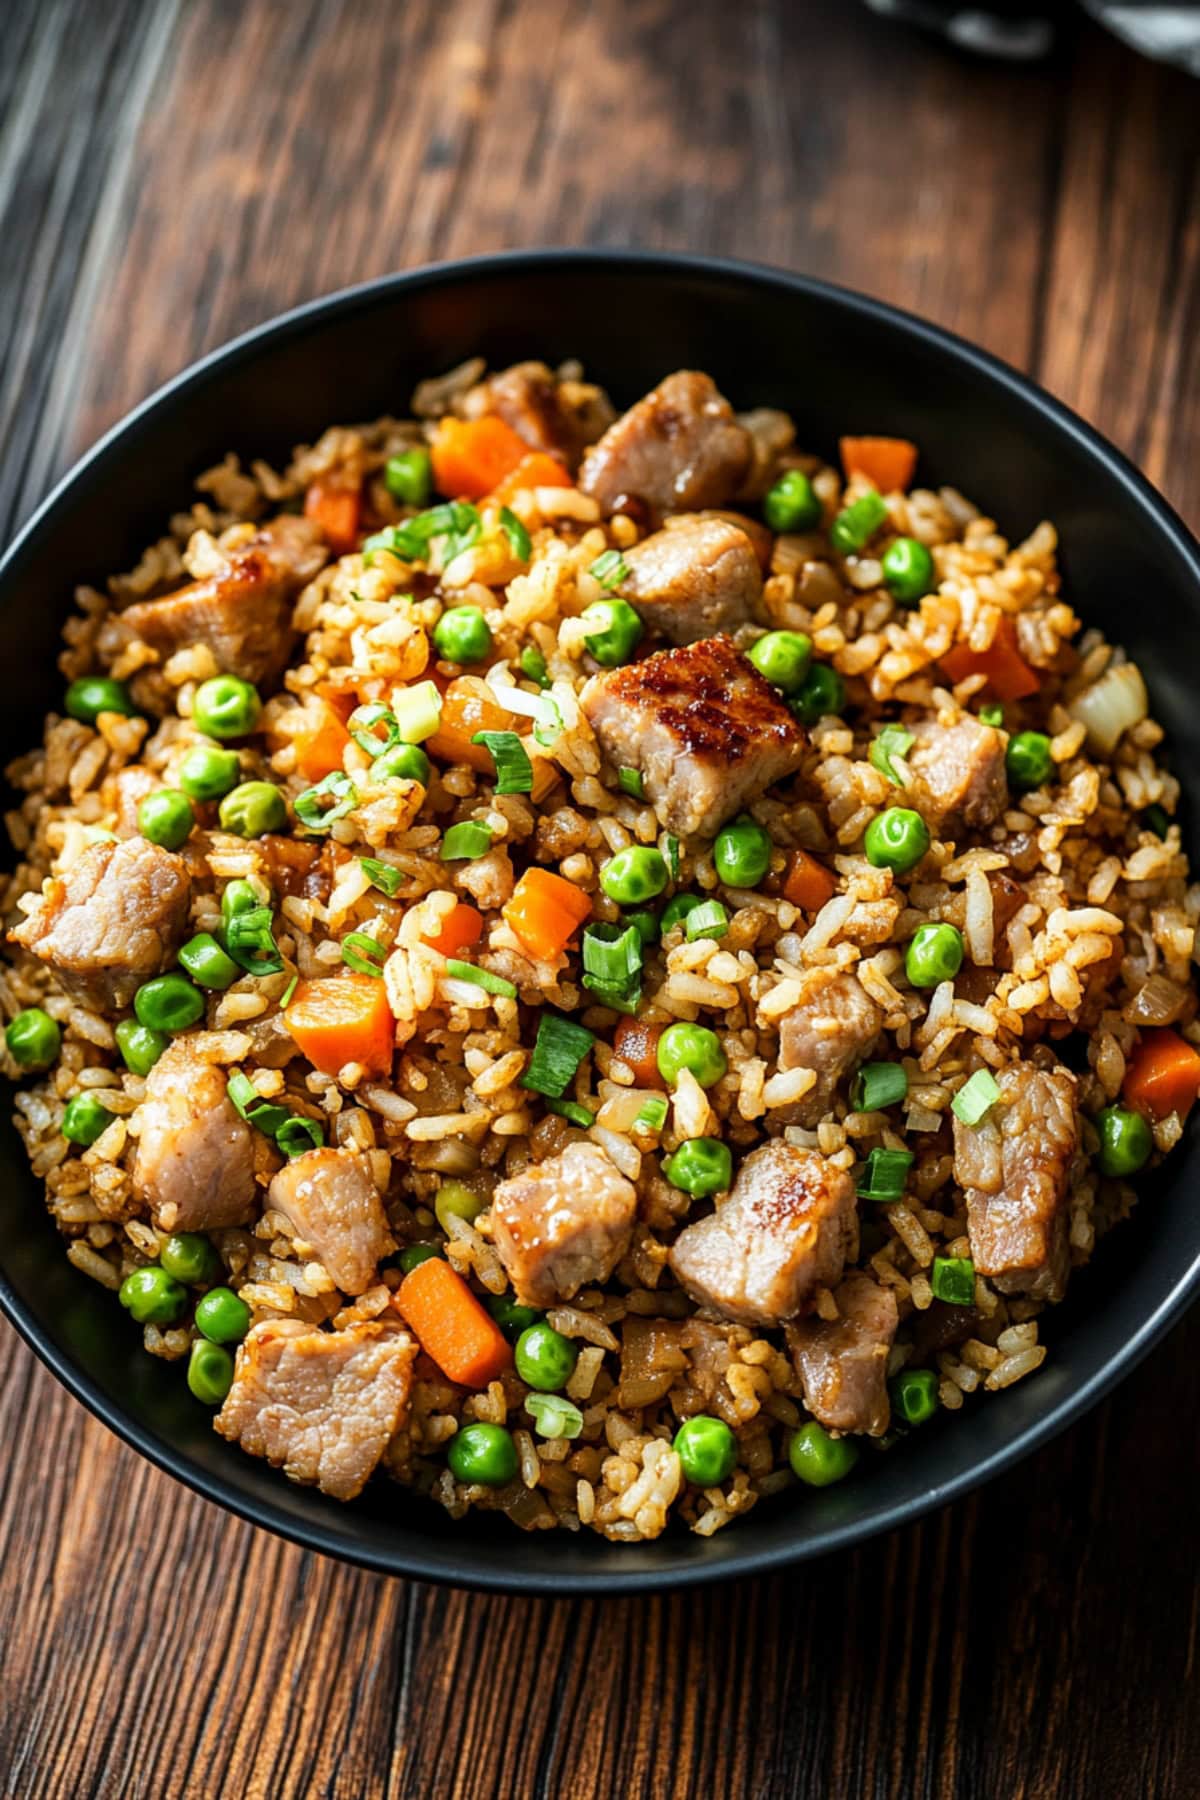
(838, 364)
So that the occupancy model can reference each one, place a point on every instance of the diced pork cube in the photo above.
(842, 1362)
(321, 1404)
(1015, 1169)
(243, 613)
(788, 1224)
(194, 1166)
(831, 1029)
(333, 1204)
(679, 449)
(111, 922)
(700, 577)
(958, 769)
(563, 1224)
(549, 413)
(705, 730)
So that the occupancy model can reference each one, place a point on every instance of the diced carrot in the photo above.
(468, 707)
(888, 462)
(336, 511)
(536, 470)
(342, 1019)
(808, 884)
(545, 910)
(1162, 1075)
(1008, 674)
(470, 456)
(451, 1326)
(462, 928)
(319, 748)
(637, 1044)
(343, 700)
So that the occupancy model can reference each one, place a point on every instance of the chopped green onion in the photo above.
(311, 808)
(884, 1176)
(300, 1134)
(991, 715)
(560, 1048)
(554, 1416)
(892, 741)
(381, 875)
(482, 978)
(549, 727)
(610, 569)
(363, 953)
(361, 726)
(519, 541)
(952, 1279)
(975, 1097)
(456, 523)
(630, 782)
(466, 841)
(254, 1107)
(571, 1109)
(610, 993)
(514, 771)
(289, 990)
(671, 848)
(418, 712)
(250, 941)
(877, 1085)
(1157, 819)
(613, 955)
(533, 665)
(708, 920)
(653, 1115)
(857, 523)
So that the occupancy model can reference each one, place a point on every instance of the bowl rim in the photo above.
(452, 1562)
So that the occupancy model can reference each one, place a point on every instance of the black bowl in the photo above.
(839, 363)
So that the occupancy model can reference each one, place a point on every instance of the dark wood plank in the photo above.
(170, 175)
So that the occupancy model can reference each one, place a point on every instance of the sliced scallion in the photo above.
(630, 782)
(299, 1134)
(363, 953)
(612, 954)
(381, 875)
(708, 920)
(328, 800)
(671, 852)
(465, 841)
(952, 1279)
(519, 541)
(653, 1114)
(560, 1048)
(514, 771)
(610, 569)
(456, 523)
(250, 941)
(877, 1085)
(364, 723)
(553, 1416)
(884, 1175)
(481, 978)
(571, 1109)
(892, 741)
(976, 1097)
(289, 990)
(533, 665)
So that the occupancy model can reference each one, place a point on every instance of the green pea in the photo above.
(91, 695)
(408, 476)
(700, 1166)
(545, 1359)
(152, 1297)
(253, 809)
(33, 1039)
(934, 955)
(914, 1395)
(413, 1255)
(742, 853)
(1157, 819)
(1126, 1141)
(792, 503)
(455, 1200)
(612, 631)
(908, 572)
(207, 963)
(403, 762)
(140, 1047)
(819, 1459)
(166, 818)
(207, 773)
(1028, 760)
(189, 1257)
(634, 874)
(678, 909)
(707, 1449)
(645, 924)
(226, 707)
(222, 1317)
(857, 523)
(209, 1372)
(691, 1047)
(896, 839)
(821, 694)
(168, 1003)
(784, 658)
(85, 1119)
(511, 1316)
(482, 1456)
(463, 635)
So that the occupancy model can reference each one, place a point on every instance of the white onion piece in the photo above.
(1111, 706)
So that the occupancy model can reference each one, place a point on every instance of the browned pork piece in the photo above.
(832, 1027)
(333, 1204)
(788, 1223)
(699, 577)
(702, 726)
(842, 1362)
(550, 414)
(194, 1166)
(959, 774)
(322, 1404)
(679, 449)
(562, 1224)
(111, 922)
(243, 612)
(1015, 1169)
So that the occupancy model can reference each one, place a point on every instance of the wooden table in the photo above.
(172, 173)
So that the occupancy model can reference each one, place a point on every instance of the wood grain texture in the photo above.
(171, 174)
